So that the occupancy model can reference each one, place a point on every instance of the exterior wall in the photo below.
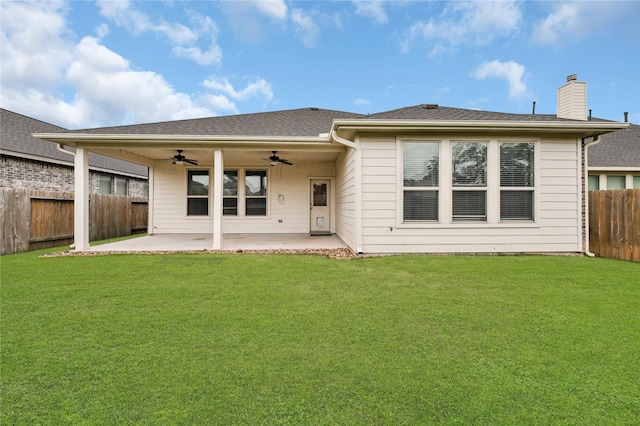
(346, 197)
(557, 227)
(30, 174)
(287, 205)
(631, 179)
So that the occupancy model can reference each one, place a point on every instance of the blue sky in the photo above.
(83, 64)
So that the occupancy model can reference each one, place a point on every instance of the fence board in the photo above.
(614, 224)
(14, 208)
(31, 219)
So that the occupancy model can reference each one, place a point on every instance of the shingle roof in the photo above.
(436, 112)
(295, 122)
(16, 139)
(307, 121)
(617, 149)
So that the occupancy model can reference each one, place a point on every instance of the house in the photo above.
(420, 179)
(614, 163)
(32, 163)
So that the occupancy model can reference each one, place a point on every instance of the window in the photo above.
(230, 193)
(105, 184)
(420, 181)
(594, 183)
(244, 193)
(122, 187)
(145, 189)
(469, 181)
(636, 181)
(615, 182)
(516, 181)
(256, 192)
(197, 192)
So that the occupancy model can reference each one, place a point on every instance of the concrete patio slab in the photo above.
(233, 242)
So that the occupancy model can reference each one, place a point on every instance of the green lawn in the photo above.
(266, 339)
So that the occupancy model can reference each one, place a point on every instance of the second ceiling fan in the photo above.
(274, 159)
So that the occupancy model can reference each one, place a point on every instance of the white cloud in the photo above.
(49, 75)
(361, 102)
(372, 9)
(107, 88)
(475, 23)
(260, 88)
(573, 21)
(511, 71)
(33, 47)
(273, 8)
(184, 39)
(306, 26)
(219, 103)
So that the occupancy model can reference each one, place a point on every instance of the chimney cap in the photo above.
(572, 77)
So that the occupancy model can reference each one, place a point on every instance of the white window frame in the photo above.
(242, 196)
(445, 188)
(531, 189)
(187, 196)
(404, 188)
(471, 188)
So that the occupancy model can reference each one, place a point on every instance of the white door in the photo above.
(320, 206)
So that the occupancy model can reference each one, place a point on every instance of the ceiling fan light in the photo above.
(274, 163)
(179, 162)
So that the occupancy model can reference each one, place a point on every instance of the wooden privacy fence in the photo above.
(614, 224)
(38, 219)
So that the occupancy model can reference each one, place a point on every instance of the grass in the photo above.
(259, 339)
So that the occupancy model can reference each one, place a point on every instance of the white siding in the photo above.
(286, 214)
(170, 202)
(556, 228)
(346, 197)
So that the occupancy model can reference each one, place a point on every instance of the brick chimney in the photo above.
(572, 99)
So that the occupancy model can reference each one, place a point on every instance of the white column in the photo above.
(218, 171)
(81, 200)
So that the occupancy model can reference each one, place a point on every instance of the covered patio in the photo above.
(230, 242)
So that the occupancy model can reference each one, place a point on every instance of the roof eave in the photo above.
(95, 139)
(581, 129)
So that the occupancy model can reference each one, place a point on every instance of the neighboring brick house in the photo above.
(614, 163)
(30, 163)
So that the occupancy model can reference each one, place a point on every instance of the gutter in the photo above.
(596, 141)
(358, 184)
(589, 129)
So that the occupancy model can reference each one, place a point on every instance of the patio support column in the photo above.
(218, 172)
(81, 200)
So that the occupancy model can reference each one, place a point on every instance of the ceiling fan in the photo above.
(274, 159)
(181, 159)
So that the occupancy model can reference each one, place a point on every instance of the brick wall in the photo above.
(29, 174)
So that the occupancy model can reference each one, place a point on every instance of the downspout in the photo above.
(358, 185)
(586, 213)
(61, 149)
(73, 154)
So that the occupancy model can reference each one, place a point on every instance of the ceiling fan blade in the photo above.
(282, 160)
(194, 162)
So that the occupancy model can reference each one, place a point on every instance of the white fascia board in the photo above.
(614, 169)
(93, 139)
(586, 129)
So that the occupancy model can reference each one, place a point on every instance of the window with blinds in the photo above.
(517, 181)
(230, 193)
(420, 181)
(469, 181)
(197, 193)
(256, 192)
